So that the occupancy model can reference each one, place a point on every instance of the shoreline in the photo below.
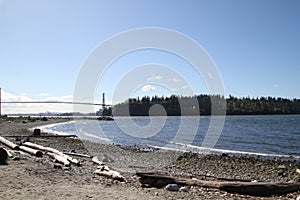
(189, 148)
(38, 178)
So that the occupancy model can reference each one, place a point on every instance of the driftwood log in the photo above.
(248, 188)
(51, 150)
(31, 151)
(40, 147)
(3, 156)
(97, 161)
(9, 143)
(105, 171)
(60, 159)
(77, 154)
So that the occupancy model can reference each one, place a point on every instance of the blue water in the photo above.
(259, 134)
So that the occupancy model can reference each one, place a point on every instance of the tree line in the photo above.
(202, 104)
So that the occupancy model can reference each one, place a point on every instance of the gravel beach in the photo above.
(37, 178)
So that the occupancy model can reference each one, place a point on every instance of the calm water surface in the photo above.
(265, 134)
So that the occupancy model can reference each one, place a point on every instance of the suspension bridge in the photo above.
(52, 102)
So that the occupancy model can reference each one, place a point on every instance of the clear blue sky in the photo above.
(255, 44)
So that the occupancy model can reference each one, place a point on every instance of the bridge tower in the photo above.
(103, 101)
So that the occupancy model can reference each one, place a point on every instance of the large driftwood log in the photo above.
(9, 143)
(31, 151)
(105, 171)
(248, 188)
(51, 150)
(3, 156)
(60, 159)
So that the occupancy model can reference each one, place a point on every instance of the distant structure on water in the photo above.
(103, 101)
(104, 111)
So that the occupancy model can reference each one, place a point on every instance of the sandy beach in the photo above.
(37, 178)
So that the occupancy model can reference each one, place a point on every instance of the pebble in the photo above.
(183, 189)
(281, 167)
(172, 187)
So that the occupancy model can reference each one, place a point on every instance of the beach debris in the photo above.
(247, 188)
(40, 147)
(57, 166)
(105, 171)
(8, 153)
(77, 154)
(31, 151)
(37, 132)
(183, 189)
(72, 151)
(52, 150)
(14, 154)
(9, 143)
(172, 187)
(59, 158)
(3, 156)
(97, 161)
(298, 171)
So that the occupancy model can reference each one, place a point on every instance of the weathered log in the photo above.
(97, 161)
(210, 177)
(78, 155)
(9, 143)
(40, 147)
(105, 171)
(260, 188)
(248, 188)
(31, 151)
(3, 156)
(51, 150)
(60, 159)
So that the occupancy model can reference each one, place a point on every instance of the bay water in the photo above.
(270, 135)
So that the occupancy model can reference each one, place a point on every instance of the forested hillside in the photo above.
(177, 105)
